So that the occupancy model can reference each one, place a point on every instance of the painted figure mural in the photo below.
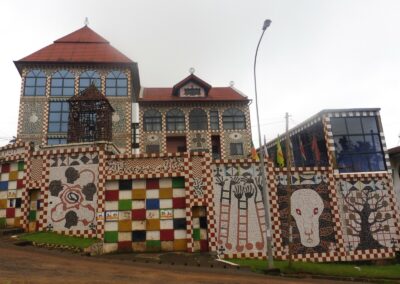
(240, 209)
(73, 192)
(306, 208)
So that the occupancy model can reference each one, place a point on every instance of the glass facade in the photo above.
(116, 84)
(62, 84)
(357, 144)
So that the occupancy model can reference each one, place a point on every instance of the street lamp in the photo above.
(267, 23)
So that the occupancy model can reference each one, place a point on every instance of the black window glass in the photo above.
(214, 120)
(35, 83)
(233, 119)
(152, 120)
(58, 117)
(359, 149)
(198, 119)
(236, 149)
(338, 126)
(175, 120)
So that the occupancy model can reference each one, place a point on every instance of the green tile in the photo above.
(32, 215)
(21, 165)
(124, 205)
(111, 237)
(196, 234)
(3, 222)
(178, 182)
(153, 244)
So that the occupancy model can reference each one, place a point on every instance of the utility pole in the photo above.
(289, 187)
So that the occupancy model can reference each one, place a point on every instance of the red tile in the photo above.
(112, 195)
(166, 235)
(139, 214)
(10, 212)
(203, 245)
(152, 183)
(179, 202)
(20, 183)
(125, 246)
(5, 168)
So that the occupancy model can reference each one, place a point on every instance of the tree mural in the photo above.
(365, 219)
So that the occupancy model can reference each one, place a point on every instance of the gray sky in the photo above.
(317, 54)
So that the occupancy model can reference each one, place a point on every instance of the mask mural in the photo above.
(306, 208)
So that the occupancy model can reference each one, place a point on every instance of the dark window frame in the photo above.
(198, 119)
(152, 120)
(354, 152)
(233, 119)
(116, 82)
(64, 76)
(175, 120)
(38, 87)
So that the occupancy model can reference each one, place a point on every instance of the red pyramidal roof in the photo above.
(83, 45)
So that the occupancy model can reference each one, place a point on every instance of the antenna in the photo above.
(86, 21)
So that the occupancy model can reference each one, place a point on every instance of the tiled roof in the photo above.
(215, 94)
(83, 45)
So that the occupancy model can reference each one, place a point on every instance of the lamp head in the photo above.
(267, 23)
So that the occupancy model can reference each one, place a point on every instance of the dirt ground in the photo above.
(39, 265)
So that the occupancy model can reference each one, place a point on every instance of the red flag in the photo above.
(302, 151)
(315, 149)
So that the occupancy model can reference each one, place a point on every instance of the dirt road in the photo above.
(34, 265)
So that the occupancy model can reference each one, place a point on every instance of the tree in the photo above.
(360, 208)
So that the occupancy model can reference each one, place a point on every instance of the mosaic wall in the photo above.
(11, 187)
(148, 215)
(73, 190)
(239, 210)
(368, 215)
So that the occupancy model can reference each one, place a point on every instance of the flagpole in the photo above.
(289, 187)
(262, 164)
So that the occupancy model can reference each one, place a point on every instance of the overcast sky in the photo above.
(317, 54)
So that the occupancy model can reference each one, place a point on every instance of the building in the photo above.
(179, 179)
(394, 155)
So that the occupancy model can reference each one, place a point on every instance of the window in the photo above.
(56, 141)
(233, 119)
(236, 149)
(152, 149)
(198, 119)
(87, 78)
(62, 84)
(116, 84)
(175, 120)
(214, 120)
(152, 120)
(357, 144)
(135, 135)
(35, 83)
(58, 117)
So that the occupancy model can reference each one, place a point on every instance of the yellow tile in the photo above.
(138, 194)
(152, 224)
(125, 226)
(3, 203)
(13, 175)
(180, 245)
(165, 193)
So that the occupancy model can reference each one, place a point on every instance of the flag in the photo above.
(302, 151)
(315, 149)
(254, 154)
(280, 160)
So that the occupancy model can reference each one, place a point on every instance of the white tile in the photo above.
(111, 205)
(153, 214)
(138, 204)
(179, 213)
(124, 236)
(166, 224)
(166, 183)
(138, 225)
(165, 203)
(112, 185)
(152, 194)
(111, 226)
(139, 184)
(179, 234)
(153, 235)
(125, 194)
(178, 192)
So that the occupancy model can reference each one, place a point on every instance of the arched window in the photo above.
(116, 84)
(234, 119)
(152, 120)
(175, 120)
(87, 78)
(198, 119)
(62, 84)
(35, 83)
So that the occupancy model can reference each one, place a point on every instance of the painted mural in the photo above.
(311, 214)
(367, 214)
(239, 209)
(73, 190)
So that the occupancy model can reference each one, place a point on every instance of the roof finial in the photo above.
(191, 70)
(231, 83)
(86, 21)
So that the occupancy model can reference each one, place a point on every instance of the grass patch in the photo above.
(390, 271)
(57, 239)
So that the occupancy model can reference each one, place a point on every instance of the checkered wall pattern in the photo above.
(11, 189)
(146, 214)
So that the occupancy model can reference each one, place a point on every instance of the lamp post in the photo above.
(262, 164)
